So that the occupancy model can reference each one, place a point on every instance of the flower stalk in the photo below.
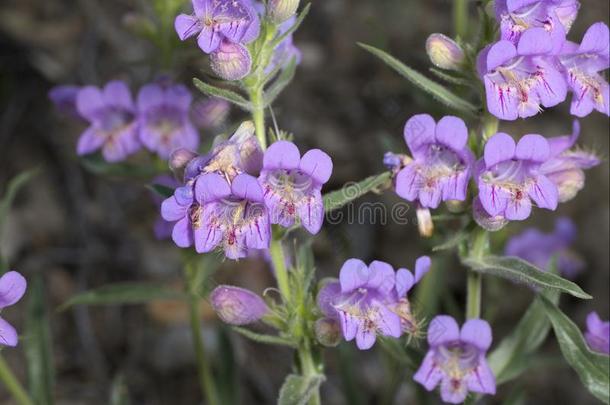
(478, 249)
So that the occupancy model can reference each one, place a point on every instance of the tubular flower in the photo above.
(164, 122)
(292, 184)
(368, 301)
(441, 165)
(582, 64)
(521, 78)
(456, 359)
(12, 288)
(509, 177)
(598, 334)
(216, 20)
(111, 114)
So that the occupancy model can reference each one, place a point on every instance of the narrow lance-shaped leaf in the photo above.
(262, 338)
(224, 94)
(439, 92)
(592, 368)
(520, 271)
(297, 389)
(352, 191)
(124, 293)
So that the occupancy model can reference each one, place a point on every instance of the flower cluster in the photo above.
(370, 301)
(232, 195)
(533, 65)
(12, 288)
(160, 119)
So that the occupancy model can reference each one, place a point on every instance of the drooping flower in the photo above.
(582, 64)
(111, 114)
(566, 165)
(541, 248)
(231, 61)
(210, 113)
(441, 165)
(292, 184)
(216, 20)
(554, 16)
(12, 288)
(64, 98)
(234, 215)
(521, 78)
(444, 52)
(164, 121)
(237, 306)
(369, 301)
(509, 177)
(598, 334)
(456, 359)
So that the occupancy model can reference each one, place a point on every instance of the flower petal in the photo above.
(171, 210)
(499, 147)
(494, 199)
(404, 282)
(12, 288)
(317, 164)
(482, 379)
(500, 53)
(442, 329)
(596, 39)
(477, 332)
(150, 95)
(117, 94)
(533, 147)
(208, 39)
(246, 187)
(422, 266)
(349, 325)
(89, 102)
(535, 41)
(388, 322)
(365, 338)
(452, 132)
(454, 391)
(354, 274)
(311, 212)
(419, 132)
(382, 277)
(8, 334)
(182, 233)
(211, 187)
(544, 193)
(90, 141)
(186, 26)
(282, 155)
(428, 374)
(408, 182)
(328, 294)
(518, 209)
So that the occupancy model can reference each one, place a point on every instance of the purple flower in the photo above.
(441, 165)
(164, 122)
(112, 117)
(216, 20)
(12, 288)
(456, 359)
(210, 113)
(368, 301)
(520, 78)
(162, 228)
(582, 64)
(554, 16)
(185, 213)
(237, 306)
(64, 98)
(509, 177)
(566, 165)
(598, 334)
(234, 215)
(231, 61)
(540, 248)
(292, 184)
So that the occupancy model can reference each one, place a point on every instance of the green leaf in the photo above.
(439, 92)
(96, 164)
(161, 190)
(293, 28)
(119, 395)
(351, 191)
(224, 94)
(297, 389)
(280, 83)
(592, 368)
(449, 78)
(520, 271)
(38, 346)
(262, 338)
(124, 293)
(453, 241)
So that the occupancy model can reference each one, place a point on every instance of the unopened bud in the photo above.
(424, 222)
(328, 332)
(569, 182)
(237, 306)
(486, 221)
(231, 61)
(281, 10)
(444, 52)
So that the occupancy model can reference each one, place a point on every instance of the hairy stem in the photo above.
(460, 18)
(478, 249)
(12, 385)
(258, 115)
(279, 265)
(309, 369)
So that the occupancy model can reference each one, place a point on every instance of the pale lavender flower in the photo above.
(456, 359)
(216, 20)
(509, 177)
(292, 184)
(598, 334)
(566, 164)
(369, 301)
(184, 212)
(64, 98)
(441, 165)
(444, 52)
(237, 306)
(210, 113)
(541, 248)
(521, 78)
(582, 64)
(12, 288)
(164, 122)
(231, 61)
(554, 16)
(111, 114)
(234, 215)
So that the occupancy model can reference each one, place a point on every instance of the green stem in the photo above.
(460, 18)
(12, 384)
(478, 249)
(279, 265)
(258, 115)
(309, 369)
(208, 389)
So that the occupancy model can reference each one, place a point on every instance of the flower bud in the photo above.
(231, 61)
(237, 306)
(424, 222)
(485, 221)
(328, 332)
(281, 10)
(444, 52)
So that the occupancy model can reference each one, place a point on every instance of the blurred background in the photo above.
(79, 231)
